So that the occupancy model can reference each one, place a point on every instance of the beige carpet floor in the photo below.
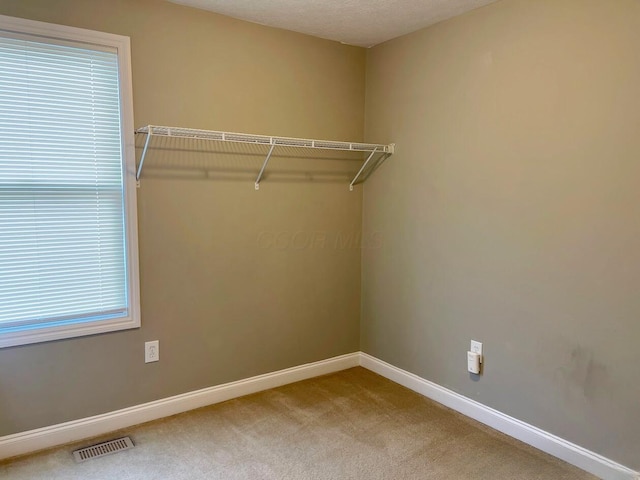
(349, 425)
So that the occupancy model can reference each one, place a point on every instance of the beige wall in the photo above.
(511, 213)
(223, 302)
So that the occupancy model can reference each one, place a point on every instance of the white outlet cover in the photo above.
(476, 347)
(473, 363)
(151, 351)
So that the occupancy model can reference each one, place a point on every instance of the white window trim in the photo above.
(123, 47)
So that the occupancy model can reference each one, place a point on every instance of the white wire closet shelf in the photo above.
(272, 142)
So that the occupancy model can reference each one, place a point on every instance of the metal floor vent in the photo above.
(102, 449)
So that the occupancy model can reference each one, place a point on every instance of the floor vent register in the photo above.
(102, 449)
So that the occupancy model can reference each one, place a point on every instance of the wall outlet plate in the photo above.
(151, 351)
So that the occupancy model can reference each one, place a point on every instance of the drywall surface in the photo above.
(234, 282)
(510, 213)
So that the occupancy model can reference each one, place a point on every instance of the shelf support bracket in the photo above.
(264, 165)
(144, 154)
(364, 165)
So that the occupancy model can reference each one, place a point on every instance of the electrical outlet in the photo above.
(476, 347)
(151, 351)
(473, 363)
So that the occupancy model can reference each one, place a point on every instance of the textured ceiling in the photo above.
(356, 22)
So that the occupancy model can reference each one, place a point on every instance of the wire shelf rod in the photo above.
(214, 135)
(271, 142)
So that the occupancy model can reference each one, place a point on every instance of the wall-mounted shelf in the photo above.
(271, 142)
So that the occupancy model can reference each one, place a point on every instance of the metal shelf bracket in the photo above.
(144, 154)
(364, 165)
(264, 165)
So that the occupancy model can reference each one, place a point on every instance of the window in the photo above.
(68, 227)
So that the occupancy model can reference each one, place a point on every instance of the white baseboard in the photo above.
(33, 440)
(567, 451)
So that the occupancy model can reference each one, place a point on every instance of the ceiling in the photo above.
(356, 22)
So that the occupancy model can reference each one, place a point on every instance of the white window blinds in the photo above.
(62, 224)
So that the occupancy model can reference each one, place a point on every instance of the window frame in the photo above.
(62, 33)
